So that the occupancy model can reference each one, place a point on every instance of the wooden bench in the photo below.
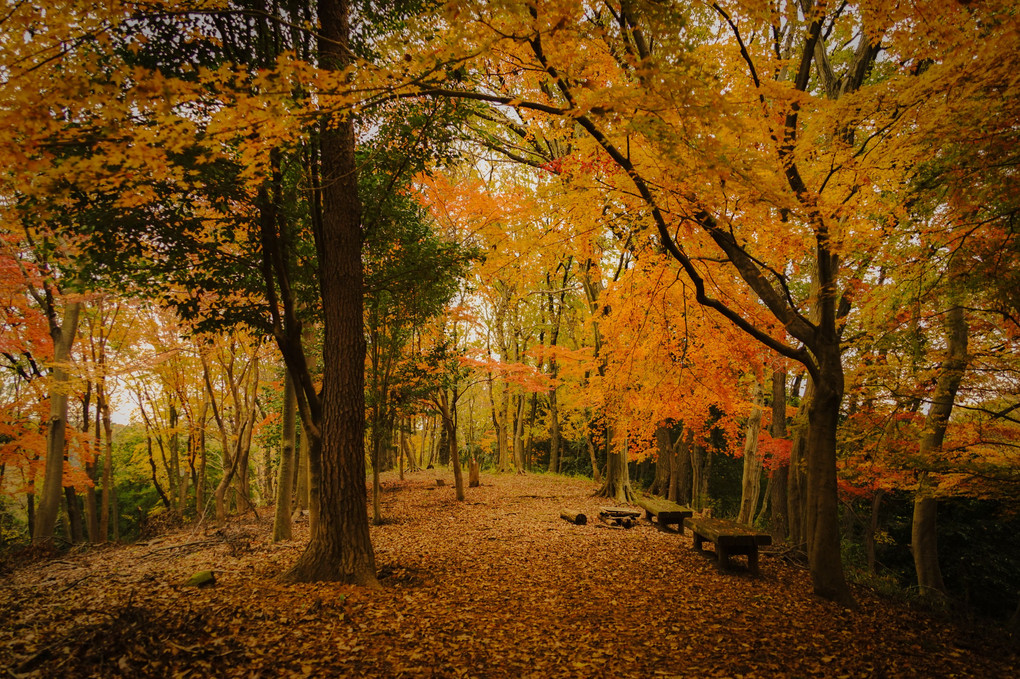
(665, 512)
(729, 538)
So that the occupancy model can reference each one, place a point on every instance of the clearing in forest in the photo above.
(497, 586)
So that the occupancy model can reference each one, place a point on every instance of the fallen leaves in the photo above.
(497, 587)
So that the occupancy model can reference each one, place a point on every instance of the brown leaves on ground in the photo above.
(498, 586)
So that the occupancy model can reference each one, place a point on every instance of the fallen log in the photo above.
(575, 517)
(619, 516)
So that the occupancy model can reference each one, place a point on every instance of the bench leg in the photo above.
(723, 556)
(752, 560)
(697, 542)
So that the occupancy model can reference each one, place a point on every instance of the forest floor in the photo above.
(497, 586)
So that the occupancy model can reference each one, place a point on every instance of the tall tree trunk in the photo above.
(663, 461)
(75, 528)
(869, 536)
(554, 432)
(49, 503)
(750, 487)
(107, 499)
(341, 549)
(91, 468)
(285, 482)
(530, 435)
(780, 473)
(823, 537)
(701, 466)
(200, 483)
(682, 476)
(519, 453)
(448, 408)
(797, 478)
(924, 533)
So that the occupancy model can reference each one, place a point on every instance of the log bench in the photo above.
(665, 512)
(729, 538)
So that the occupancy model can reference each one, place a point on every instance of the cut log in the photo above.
(474, 470)
(619, 516)
(440, 482)
(573, 516)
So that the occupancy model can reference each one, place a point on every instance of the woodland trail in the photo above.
(498, 586)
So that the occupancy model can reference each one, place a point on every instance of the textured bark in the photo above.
(449, 413)
(778, 480)
(76, 529)
(750, 487)
(617, 484)
(107, 498)
(797, 477)
(823, 537)
(701, 465)
(596, 475)
(341, 549)
(924, 534)
(663, 462)
(285, 481)
(683, 477)
(56, 429)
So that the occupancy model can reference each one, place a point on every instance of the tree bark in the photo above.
(924, 533)
(797, 477)
(750, 487)
(779, 474)
(663, 462)
(49, 502)
(106, 499)
(617, 484)
(341, 549)
(869, 536)
(701, 465)
(285, 481)
(823, 538)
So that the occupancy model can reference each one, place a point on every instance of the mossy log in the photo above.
(201, 579)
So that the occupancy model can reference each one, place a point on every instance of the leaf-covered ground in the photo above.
(498, 586)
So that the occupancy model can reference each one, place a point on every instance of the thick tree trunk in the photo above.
(341, 549)
(823, 538)
(49, 503)
(750, 487)
(449, 414)
(924, 533)
(285, 481)
(617, 484)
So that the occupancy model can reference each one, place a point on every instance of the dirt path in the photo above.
(498, 586)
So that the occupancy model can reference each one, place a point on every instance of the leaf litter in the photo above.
(498, 586)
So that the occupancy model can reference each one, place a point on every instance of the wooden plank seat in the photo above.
(665, 512)
(729, 538)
